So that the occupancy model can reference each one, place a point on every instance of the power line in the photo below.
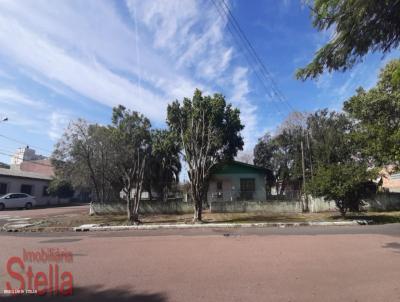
(246, 53)
(24, 143)
(267, 73)
(225, 12)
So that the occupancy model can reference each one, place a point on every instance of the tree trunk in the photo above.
(198, 209)
(129, 206)
(134, 219)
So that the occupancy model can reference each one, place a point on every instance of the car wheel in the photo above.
(28, 205)
(2, 206)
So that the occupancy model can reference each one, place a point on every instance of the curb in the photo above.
(96, 227)
(9, 227)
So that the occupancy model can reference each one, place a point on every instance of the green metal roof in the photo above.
(236, 167)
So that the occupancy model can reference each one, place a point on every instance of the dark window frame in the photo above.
(5, 186)
(22, 190)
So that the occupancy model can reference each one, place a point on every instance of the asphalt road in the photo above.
(359, 263)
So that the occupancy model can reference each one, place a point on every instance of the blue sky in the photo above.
(61, 60)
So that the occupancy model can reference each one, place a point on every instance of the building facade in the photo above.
(14, 181)
(237, 181)
(25, 154)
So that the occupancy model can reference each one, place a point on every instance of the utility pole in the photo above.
(305, 203)
(309, 154)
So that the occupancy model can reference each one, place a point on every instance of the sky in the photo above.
(68, 59)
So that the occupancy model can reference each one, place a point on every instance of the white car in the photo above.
(17, 200)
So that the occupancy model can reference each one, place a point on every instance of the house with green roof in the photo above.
(236, 181)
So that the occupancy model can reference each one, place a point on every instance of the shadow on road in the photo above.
(392, 245)
(377, 219)
(89, 294)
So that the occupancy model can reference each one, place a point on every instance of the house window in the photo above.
(247, 184)
(27, 189)
(45, 193)
(3, 188)
(247, 188)
(219, 185)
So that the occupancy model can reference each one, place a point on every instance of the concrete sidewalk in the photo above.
(97, 227)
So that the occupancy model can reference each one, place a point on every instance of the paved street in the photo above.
(359, 263)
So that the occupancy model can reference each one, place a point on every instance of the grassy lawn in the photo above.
(73, 220)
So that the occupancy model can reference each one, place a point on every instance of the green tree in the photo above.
(60, 188)
(132, 148)
(282, 153)
(346, 184)
(377, 116)
(164, 164)
(329, 137)
(326, 140)
(209, 132)
(264, 156)
(360, 26)
(84, 156)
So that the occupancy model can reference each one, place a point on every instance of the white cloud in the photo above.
(34, 116)
(247, 109)
(189, 31)
(14, 97)
(58, 123)
(62, 46)
(91, 79)
(161, 52)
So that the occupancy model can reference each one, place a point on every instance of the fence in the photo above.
(380, 202)
(256, 195)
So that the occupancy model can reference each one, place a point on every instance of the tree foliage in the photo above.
(345, 183)
(333, 166)
(360, 26)
(377, 115)
(132, 140)
(60, 188)
(209, 132)
(282, 153)
(164, 163)
(84, 156)
(110, 159)
(329, 135)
